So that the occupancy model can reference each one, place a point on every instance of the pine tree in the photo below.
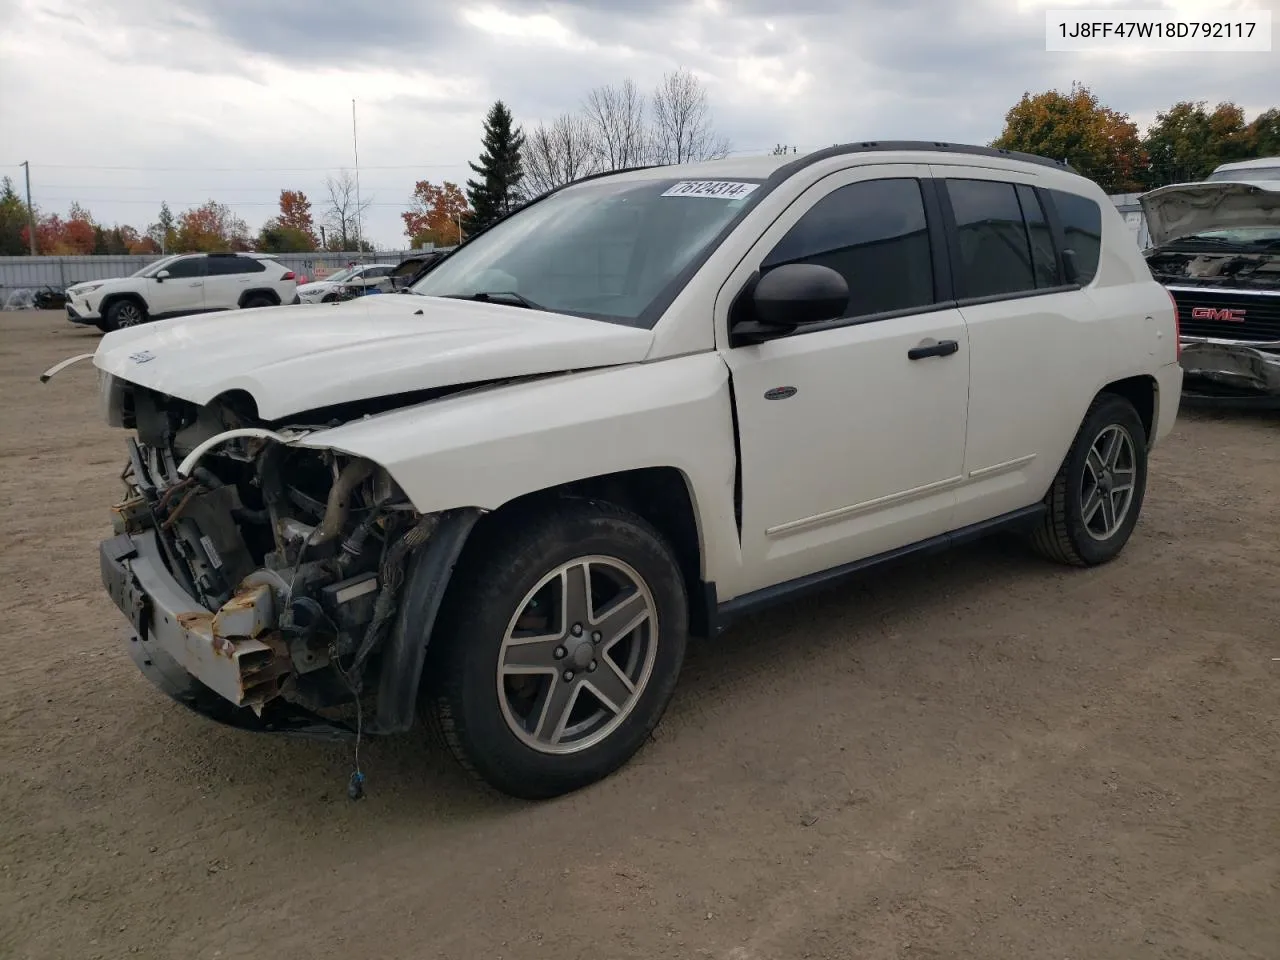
(497, 191)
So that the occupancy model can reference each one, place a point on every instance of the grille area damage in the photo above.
(1229, 314)
(272, 574)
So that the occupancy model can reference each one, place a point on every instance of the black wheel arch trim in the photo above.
(405, 653)
(266, 292)
(110, 299)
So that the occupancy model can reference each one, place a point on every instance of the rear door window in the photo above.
(993, 250)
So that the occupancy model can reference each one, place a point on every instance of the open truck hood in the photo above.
(1183, 209)
(298, 358)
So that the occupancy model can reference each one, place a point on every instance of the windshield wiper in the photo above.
(509, 297)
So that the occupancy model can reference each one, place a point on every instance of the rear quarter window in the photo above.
(1082, 226)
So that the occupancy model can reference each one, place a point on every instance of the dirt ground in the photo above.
(978, 756)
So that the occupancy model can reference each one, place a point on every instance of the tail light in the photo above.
(288, 275)
(1177, 326)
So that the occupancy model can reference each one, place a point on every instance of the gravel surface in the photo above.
(976, 756)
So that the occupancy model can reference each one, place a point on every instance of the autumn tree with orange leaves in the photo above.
(435, 214)
(293, 230)
(211, 228)
(1100, 143)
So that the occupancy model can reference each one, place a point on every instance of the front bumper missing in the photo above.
(1221, 370)
(227, 665)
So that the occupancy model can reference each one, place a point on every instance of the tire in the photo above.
(540, 728)
(123, 314)
(329, 298)
(258, 301)
(1078, 529)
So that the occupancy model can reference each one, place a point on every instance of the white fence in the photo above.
(33, 273)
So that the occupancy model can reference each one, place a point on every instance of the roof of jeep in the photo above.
(869, 151)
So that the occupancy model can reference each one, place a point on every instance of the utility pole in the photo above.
(355, 151)
(31, 213)
(324, 244)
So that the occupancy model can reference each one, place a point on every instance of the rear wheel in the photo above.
(258, 301)
(559, 649)
(122, 314)
(1097, 495)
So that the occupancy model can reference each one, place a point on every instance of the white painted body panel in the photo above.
(866, 456)
(486, 448)
(1028, 356)
(298, 358)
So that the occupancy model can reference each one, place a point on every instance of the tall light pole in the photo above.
(355, 151)
(31, 213)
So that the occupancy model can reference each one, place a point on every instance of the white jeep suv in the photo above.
(640, 407)
(182, 285)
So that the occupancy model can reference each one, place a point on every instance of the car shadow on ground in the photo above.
(412, 777)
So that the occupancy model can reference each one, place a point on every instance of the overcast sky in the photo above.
(123, 103)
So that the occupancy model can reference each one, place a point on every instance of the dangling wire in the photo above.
(355, 786)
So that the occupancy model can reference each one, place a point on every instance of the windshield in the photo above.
(153, 268)
(609, 250)
(1247, 173)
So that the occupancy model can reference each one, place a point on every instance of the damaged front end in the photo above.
(1218, 253)
(270, 586)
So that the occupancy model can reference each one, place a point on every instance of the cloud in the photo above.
(238, 99)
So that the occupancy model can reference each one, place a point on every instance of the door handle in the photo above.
(195, 284)
(943, 348)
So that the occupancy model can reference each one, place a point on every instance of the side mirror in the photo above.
(162, 276)
(790, 296)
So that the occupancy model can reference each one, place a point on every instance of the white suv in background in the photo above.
(180, 285)
(643, 406)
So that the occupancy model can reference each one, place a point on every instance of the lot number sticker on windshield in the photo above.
(717, 189)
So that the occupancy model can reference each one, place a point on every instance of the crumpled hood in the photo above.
(297, 358)
(1183, 209)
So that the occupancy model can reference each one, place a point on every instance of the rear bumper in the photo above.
(221, 665)
(1226, 370)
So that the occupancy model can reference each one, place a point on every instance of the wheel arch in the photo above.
(253, 293)
(1143, 392)
(662, 496)
(116, 296)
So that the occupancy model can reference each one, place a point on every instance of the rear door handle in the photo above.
(943, 348)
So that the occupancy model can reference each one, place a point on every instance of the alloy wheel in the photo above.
(577, 655)
(1106, 493)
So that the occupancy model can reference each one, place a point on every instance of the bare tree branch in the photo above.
(615, 120)
(341, 213)
(682, 130)
(558, 154)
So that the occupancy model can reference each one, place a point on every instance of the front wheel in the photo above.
(559, 648)
(123, 314)
(1097, 495)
